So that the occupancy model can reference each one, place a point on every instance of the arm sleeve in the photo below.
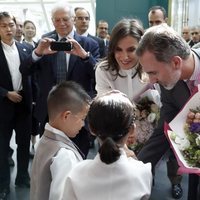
(61, 165)
(102, 81)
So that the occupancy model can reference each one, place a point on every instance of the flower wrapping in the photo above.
(183, 133)
(148, 112)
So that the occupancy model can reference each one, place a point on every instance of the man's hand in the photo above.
(14, 96)
(43, 47)
(77, 49)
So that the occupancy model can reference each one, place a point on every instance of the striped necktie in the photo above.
(61, 72)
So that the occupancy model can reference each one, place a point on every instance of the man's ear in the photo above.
(177, 62)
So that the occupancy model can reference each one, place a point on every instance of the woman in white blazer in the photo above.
(112, 175)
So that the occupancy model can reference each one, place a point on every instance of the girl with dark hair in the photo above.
(112, 174)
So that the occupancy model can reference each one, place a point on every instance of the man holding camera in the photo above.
(55, 66)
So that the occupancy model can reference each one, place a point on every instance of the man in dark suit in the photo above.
(80, 63)
(82, 20)
(157, 15)
(102, 32)
(169, 61)
(15, 104)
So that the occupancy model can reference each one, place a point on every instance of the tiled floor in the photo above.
(161, 190)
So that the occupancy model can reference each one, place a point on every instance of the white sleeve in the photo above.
(69, 193)
(103, 84)
(61, 165)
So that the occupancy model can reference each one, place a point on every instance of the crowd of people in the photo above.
(70, 98)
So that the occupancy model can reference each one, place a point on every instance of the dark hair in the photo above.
(7, 15)
(81, 8)
(101, 22)
(125, 27)
(164, 43)
(153, 8)
(110, 117)
(67, 95)
(28, 21)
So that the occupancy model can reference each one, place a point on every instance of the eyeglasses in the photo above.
(83, 18)
(58, 20)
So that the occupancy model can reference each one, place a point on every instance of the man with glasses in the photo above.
(82, 20)
(54, 67)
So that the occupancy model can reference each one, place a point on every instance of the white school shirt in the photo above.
(126, 178)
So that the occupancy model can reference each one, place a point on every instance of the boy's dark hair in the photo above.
(67, 95)
(110, 119)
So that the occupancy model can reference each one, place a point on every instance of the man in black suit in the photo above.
(80, 63)
(82, 20)
(157, 15)
(15, 104)
(169, 61)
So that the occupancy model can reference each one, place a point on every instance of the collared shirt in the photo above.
(13, 60)
(85, 34)
(196, 74)
(62, 163)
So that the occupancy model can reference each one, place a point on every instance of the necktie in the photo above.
(61, 65)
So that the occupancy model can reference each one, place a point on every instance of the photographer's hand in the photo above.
(77, 49)
(43, 47)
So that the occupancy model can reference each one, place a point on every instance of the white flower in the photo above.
(197, 140)
(151, 117)
(182, 143)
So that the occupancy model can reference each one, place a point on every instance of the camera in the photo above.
(61, 46)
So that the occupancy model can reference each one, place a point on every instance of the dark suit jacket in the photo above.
(7, 106)
(79, 71)
(102, 47)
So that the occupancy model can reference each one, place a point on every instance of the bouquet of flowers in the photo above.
(190, 144)
(183, 133)
(148, 109)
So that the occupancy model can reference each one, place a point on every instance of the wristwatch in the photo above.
(87, 56)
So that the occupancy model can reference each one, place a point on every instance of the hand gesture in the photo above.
(43, 47)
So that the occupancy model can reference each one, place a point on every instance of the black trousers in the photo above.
(194, 187)
(20, 121)
(153, 151)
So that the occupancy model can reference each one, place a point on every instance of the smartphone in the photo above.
(61, 46)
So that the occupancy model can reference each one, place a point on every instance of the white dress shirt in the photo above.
(13, 60)
(126, 178)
